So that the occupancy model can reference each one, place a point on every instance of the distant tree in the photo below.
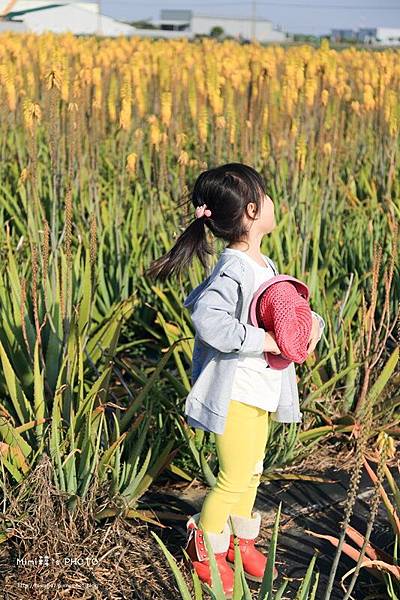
(304, 37)
(142, 25)
(216, 31)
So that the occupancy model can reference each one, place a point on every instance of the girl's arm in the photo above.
(214, 319)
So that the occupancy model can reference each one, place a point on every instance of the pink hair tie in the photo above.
(202, 211)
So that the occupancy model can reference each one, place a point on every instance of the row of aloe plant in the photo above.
(61, 381)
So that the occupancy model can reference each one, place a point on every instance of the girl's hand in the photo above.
(270, 344)
(314, 336)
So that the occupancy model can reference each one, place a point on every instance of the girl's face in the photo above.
(265, 220)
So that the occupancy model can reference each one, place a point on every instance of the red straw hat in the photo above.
(281, 305)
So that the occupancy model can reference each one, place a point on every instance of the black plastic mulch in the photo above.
(305, 505)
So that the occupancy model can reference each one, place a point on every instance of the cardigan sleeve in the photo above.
(214, 318)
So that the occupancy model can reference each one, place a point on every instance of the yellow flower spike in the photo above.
(166, 108)
(97, 76)
(232, 133)
(155, 133)
(131, 163)
(53, 79)
(32, 114)
(327, 149)
(293, 129)
(181, 139)
(126, 103)
(202, 125)
(139, 134)
(385, 439)
(324, 97)
(23, 176)
(72, 106)
(183, 158)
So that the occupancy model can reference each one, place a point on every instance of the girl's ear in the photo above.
(251, 209)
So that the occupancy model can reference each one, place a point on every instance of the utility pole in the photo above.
(99, 29)
(253, 20)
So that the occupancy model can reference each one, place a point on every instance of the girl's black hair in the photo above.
(226, 190)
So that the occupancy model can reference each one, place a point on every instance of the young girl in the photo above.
(234, 392)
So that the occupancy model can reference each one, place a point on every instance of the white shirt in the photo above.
(255, 383)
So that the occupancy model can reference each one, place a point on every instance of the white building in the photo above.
(196, 23)
(80, 18)
(377, 36)
(384, 36)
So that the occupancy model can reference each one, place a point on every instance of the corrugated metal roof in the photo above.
(71, 18)
(19, 13)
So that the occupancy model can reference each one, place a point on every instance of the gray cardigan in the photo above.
(219, 309)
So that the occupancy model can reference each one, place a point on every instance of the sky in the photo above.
(316, 17)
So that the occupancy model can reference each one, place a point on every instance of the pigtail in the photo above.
(191, 242)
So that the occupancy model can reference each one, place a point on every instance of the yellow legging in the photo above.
(240, 450)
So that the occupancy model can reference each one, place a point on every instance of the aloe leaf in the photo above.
(10, 436)
(382, 380)
(20, 402)
(183, 588)
(208, 474)
(17, 475)
(144, 392)
(198, 592)
(238, 570)
(216, 583)
(85, 303)
(39, 401)
(267, 581)
(130, 491)
(164, 458)
(305, 587)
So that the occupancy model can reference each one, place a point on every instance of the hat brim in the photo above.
(276, 361)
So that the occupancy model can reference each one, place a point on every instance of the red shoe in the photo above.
(254, 562)
(197, 551)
